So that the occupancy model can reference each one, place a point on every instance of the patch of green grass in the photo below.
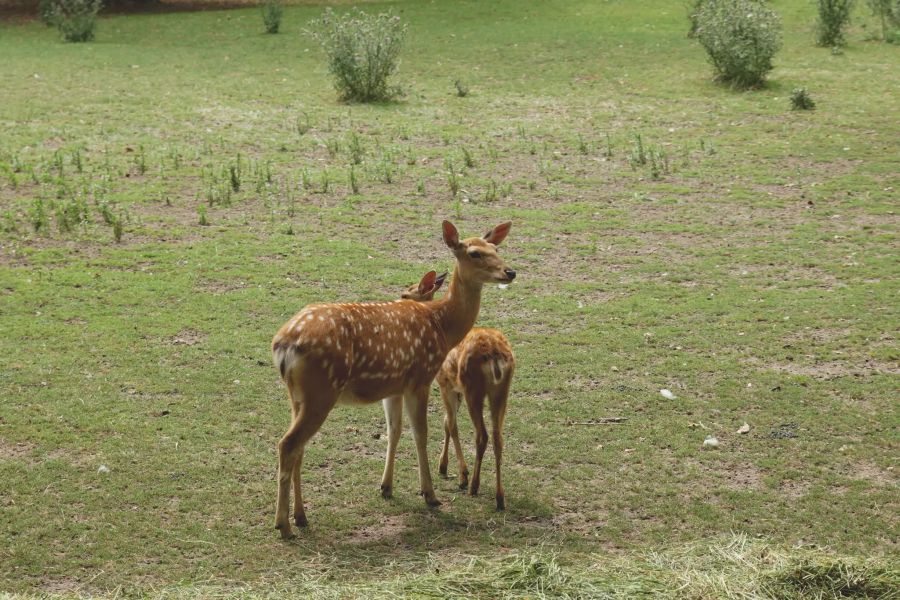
(755, 279)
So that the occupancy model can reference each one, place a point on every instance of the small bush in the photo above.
(834, 16)
(740, 37)
(800, 100)
(45, 11)
(272, 11)
(75, 19)
(693, 7)
(363, 52)
(888, 13)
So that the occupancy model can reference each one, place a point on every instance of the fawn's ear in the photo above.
(440, 281)
(451, 236)
(498, 233)
(427, 282)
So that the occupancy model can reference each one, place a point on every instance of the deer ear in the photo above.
(427, 282)
(440, 281)
(498, 233)
(451, 236)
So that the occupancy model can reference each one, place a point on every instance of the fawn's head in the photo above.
(424, 290)
(477, 258)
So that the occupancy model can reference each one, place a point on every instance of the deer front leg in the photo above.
(393, 416)
(416, 402)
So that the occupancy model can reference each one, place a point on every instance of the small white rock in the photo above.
(668, 395)
(711, 442)
(103, 469)
(502, 286)
(236, 381)
(745, 428)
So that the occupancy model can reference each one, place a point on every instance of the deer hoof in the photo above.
(442, 469)
(285, 530)
(501, 503)
(301, 520)
(431, 499)
(387, 492)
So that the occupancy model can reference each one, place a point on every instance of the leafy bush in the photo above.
(834, 16)
(363, 52)
(45, 11)
(75, 19)
(693, 7)
(740, 37)
(800, 100)
(888, 12)
(272, 10)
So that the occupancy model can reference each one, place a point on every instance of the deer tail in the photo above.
(284, 355)
(498, 368)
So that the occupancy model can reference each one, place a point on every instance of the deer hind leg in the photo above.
(446, 396)
(393, 416)
(312, 409)
(416, 402)
(295, 476)
(498, 397)
(452, 401)
(474, 394)
(457, 446)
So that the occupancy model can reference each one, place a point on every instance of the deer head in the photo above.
(477, 259)
(424, 290)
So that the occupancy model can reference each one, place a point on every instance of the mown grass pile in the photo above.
(731, 568)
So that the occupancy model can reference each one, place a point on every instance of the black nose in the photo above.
(510, 274)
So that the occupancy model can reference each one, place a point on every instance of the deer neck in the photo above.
(457, 311)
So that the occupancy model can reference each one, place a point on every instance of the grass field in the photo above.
(754, 275)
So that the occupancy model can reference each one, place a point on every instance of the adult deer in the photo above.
(362, 353)
(482, 365)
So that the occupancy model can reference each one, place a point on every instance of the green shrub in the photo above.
(800, 100)
(834, 16)
(363, 52)
(75, 19)
(45, 11)
(740, 37)
(272, 11)
(888, 12)
(693, 7)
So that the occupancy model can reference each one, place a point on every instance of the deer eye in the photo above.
(475, 254)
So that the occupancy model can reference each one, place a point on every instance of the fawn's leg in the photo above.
(312, 409)
(475, 403)
(452, 400)
(497, 398)
(295, 476)
(445, 448)
(393, 416)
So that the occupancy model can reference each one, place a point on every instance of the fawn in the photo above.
(481, 365)
(362, 353)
